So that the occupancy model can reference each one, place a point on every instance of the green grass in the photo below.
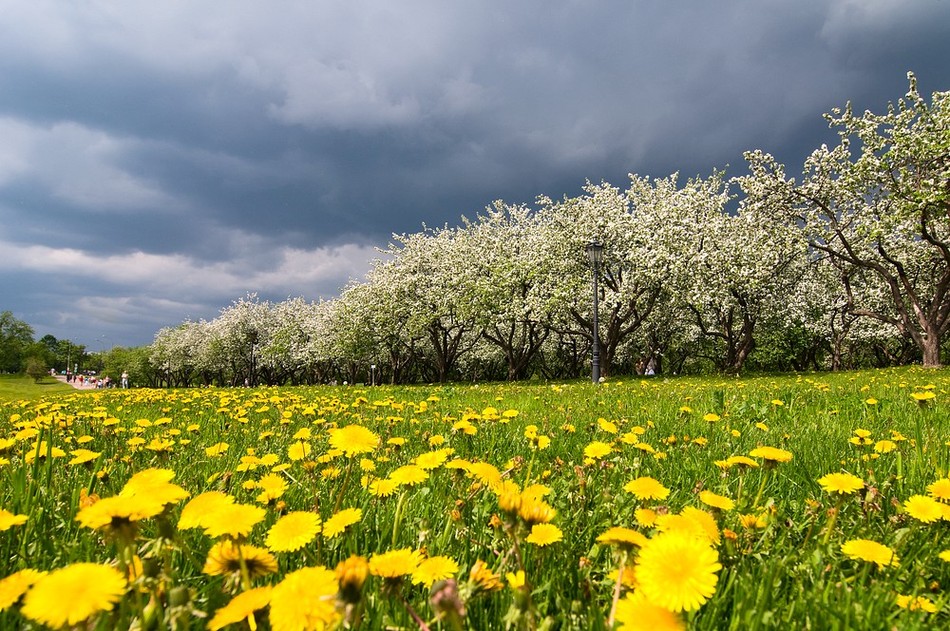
(23, 387)
(791, 573)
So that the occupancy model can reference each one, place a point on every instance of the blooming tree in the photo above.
(879, 201)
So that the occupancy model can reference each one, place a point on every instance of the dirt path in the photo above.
(85, 385)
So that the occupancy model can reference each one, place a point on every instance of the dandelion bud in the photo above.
(351, 575)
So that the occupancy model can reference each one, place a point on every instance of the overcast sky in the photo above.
(159, 160)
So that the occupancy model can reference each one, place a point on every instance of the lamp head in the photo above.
(595, 252)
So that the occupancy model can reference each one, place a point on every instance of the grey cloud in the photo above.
(243, 140)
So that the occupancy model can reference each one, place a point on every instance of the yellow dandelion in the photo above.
(298, 451)
(14, 586)
(341, 521)
(885, 446)
(647, 488)
(273, 486)
(752, 522)
(622, 537)
(645, 517)
(351, 573)
(597, 450)
(293, 531)
(544, 535)
(871, 552)
(68, 596)
(691, 521)
(677, 571)
(923, 508)
(714, 500)
(483, 578)
(940, 489)
(841, 483)
(916, 603)
(194, 512)
(225, 558)
(83, 456)
(434, 569)
(241, 607)
(383, 488)
(432, 459)
(636, 613)
(409, 475)
(353, 440)
(534, 510)
(305, 599)
(8, 520)
(395, 563)
(771, 454)
(119, 514)
(233, 520)
(216, 450)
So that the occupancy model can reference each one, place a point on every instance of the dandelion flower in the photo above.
(119, 514)
(771, 454)
(383, 488)
(940, 489)
(273, 486)
(720, 502)
(194, 512)
(351, 574)
(395, 563)
(216, 450)
(647, 488)
(432, 459)
(233, 520)
(677, 571)
(225, 557)
(916, 603)
(597, 450)
(691, 521)
(293, 531)
(305, 599)
(544, 535)
(924, 508)
(623, 537)
(340, 521)
(298, 451)
(944, 556)
(70, 595)
(870, 551)
(241, 607)
(409, 475)
(8, 520)
(841, 483)
(885, 446)
(434, 569)
(14, 586)
(483, 578)
(636, 613)
(82, 456)
(535, 510)
(353, 440)
(645, 517)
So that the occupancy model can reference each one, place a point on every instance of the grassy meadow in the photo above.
(660, 503)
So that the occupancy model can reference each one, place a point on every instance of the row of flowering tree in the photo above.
(848, 266)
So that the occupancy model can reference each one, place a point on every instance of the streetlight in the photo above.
(595, 252)
(372, 373)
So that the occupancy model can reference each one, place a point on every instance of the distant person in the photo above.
(125, 379)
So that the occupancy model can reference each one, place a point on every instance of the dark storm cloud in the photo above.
(159, 160)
